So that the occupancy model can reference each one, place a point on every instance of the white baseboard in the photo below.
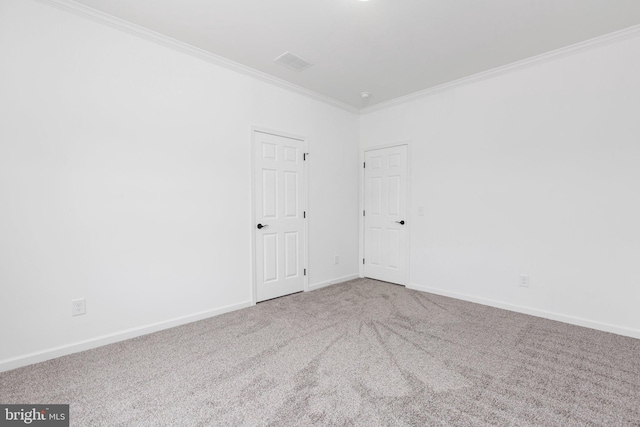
(333, 282)
(606, 327)
(52, 353)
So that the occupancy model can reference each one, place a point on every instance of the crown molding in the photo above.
(150, 35)
(626, 33)
(136, 30)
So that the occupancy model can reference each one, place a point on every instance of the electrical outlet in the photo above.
(336, 259)
(524, 281)
(78, 307)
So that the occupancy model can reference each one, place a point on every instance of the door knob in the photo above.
(400, 222)
(260, 226)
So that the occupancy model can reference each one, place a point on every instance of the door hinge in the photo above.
(364, 165)
(304, 214)
(305, 271)
(363, 213)
(304, 156)
(363, 260)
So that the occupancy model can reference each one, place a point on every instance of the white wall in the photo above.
(537, 172)
(125, 179)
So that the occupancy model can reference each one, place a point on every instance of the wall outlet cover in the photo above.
(78, 307)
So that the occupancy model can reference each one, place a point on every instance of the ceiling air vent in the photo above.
(292, 61)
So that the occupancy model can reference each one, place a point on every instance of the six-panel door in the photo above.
(385, 220)
(279, 215)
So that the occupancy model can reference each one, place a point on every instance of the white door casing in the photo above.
(386, 214)
(279, 228)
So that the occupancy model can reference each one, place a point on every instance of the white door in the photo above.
(279, 215)
(385, 214)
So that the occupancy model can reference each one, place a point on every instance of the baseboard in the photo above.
(41, 356)
(606, 327)
(333, 282)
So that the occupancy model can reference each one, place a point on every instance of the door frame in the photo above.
(305, 204)
(410, 216)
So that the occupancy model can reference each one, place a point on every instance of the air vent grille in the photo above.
(293, 61)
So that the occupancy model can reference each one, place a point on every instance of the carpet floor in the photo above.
(360, 353)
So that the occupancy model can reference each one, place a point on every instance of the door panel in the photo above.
(290, 154)
(394, 195)
(394, 249)
(269, 193)
(376, 196)
(385, 239)
(280, 238)
(375, 245)
(291, 254)
(291, 194)
(270, 256)
(269, 151)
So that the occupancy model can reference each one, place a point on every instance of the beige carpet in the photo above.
(362, 353)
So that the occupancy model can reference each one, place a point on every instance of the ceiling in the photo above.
(390, 48)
